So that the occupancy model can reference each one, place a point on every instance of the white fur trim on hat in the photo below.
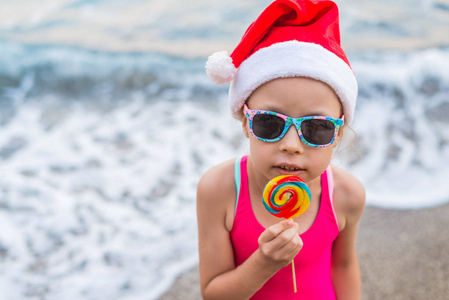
(219, 68)
(294, 59)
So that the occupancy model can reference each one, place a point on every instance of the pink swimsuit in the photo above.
(313, 263)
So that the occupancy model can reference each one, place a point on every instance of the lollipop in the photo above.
(287, 196)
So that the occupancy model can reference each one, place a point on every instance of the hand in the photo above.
(280, 243)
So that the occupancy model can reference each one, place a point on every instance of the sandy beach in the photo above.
(403, 255)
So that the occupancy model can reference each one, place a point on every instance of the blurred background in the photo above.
(107, 121)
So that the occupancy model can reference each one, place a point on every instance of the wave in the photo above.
(402, 111)
(400, 116)
(101, 153)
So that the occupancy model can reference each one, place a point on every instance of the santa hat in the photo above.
(291, 38)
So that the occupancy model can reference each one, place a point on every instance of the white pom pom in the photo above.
(219, 68)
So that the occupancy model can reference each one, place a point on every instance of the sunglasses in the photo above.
(315, 131)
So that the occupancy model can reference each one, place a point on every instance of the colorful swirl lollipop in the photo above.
(286, 196)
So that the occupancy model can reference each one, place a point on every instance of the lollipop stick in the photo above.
(293, 273)
(294, 276)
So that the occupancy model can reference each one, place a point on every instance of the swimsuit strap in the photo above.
(330, 184)
(237, 177)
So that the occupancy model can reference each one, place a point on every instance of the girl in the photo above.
(294, 90)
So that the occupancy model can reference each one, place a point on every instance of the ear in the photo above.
(245, 127)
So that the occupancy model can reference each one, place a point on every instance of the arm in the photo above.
(349, 201)
(219, 278)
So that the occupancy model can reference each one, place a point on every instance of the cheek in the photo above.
(264, 152)
(320, 158)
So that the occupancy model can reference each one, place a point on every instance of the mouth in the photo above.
(290, 169)
(287, 169)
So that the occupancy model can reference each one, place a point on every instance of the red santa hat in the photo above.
(291, 38)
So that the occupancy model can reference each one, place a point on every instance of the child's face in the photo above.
(294, 97)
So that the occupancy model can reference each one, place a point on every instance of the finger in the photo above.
(275, 246)
(292, 249)
(287, 237)
(275, 230)
(288, 252)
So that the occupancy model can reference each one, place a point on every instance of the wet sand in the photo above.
(403, 255)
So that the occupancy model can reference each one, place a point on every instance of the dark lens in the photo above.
(318, 132)
(268, 126)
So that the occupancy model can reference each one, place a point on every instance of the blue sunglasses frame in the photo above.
(289, 121)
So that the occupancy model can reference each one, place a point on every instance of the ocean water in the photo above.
(107, 122)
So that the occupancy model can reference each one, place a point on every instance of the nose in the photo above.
(290, 142)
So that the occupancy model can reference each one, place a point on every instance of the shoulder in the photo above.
(216, 191)
(218, 179)
(349, 195)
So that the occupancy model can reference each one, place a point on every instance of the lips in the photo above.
(289, 169)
